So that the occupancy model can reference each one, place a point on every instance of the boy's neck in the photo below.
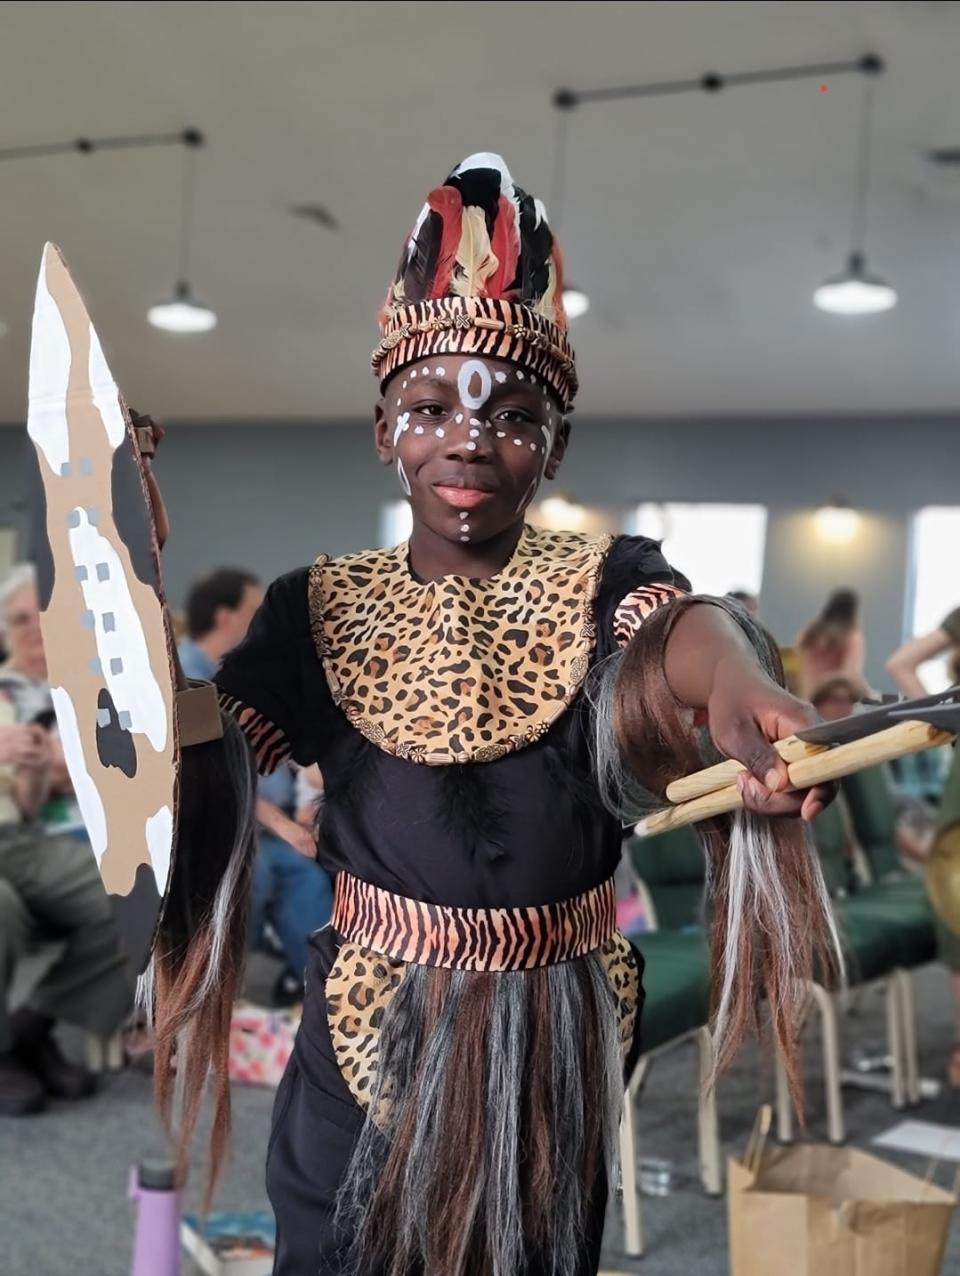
(432, 556)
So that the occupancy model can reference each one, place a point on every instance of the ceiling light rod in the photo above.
(713, 82)
(189, 137)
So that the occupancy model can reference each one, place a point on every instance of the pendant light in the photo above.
(857, 291)
(575, 300)
(182, 313)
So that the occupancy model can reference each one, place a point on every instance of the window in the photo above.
(719, 548)
(396, 522)
(934, 580)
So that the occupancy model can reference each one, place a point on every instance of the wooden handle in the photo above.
(830, 764)
(725, 773)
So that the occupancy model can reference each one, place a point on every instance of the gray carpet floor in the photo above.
(63, 1175)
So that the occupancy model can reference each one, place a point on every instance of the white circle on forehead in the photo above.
(474, 368)
(501, 377)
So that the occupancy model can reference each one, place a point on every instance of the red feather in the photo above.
(446, 201)
(505, 245)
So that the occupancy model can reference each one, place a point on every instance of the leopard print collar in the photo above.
(457, 669)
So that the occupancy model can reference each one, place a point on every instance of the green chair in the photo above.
(676, 1006)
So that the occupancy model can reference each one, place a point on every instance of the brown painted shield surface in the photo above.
(105, 629)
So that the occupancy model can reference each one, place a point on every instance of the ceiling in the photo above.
(698, 224)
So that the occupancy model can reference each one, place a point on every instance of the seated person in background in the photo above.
(49, 886)
(904, 665)
(831, 644)
(289, 888)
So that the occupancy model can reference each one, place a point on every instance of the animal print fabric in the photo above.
(473, 938)
(458, 670)
(634, 609)
(362, 984)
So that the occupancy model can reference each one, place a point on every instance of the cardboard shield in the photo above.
(105, 629)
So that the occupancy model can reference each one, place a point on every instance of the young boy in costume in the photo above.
(474, 699)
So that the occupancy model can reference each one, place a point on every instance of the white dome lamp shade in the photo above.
(575, 302)
(182, 314)
(855, 292)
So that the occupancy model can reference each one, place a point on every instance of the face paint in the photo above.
(439, 431)
(474, 369)
(441, 372)
(402, 475)
(501, 377)
(403, 423)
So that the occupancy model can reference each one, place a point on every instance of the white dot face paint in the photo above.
(474, 434)
(464, 515)
(474, 371)
(475, 421)
(459, 418)
(501, 377)
(533, 447)
(441, 372)
(399, 401)
(403, 424)
(402, 475)
(424, 372)
(518, 442)
(418, 429)
(520, 376)
(404, 386)
(471, 446)
(501, 435)
(439, 432)
(413, 374)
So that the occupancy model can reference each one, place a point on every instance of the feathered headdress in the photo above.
(480, 274)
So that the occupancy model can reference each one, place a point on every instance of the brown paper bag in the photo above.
(818, 1210)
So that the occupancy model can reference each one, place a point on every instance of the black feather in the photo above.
(420, 268)
(471, 811)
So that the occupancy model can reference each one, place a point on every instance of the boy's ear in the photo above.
(381, 434)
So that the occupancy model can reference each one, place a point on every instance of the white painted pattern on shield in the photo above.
(84, 786)
(49, 377)
(158, 831)
(106, 396)
(124, 658)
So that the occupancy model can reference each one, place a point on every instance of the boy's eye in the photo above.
(431, 409)
(515, 416)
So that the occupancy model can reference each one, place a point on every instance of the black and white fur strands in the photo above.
(771, 918)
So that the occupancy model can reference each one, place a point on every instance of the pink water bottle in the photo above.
(156, 1245)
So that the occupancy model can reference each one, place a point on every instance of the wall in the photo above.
(271, 497)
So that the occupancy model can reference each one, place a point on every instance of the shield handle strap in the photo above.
(198, 714)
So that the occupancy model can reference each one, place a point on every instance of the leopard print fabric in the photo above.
(458, 670)
(362, 984)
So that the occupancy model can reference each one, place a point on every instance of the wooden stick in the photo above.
(829, 764)
(725, 773)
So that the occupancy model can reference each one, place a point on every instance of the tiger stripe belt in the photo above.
(472, 938)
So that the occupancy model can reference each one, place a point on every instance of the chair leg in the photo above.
(831, 1061)
(909, 1038)
(632, 1209)
(895, 1036)
(708, 1135)
(784, 1104)
(96, 1054)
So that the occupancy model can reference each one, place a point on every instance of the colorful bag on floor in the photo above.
(819, 1210)
(261, 1042)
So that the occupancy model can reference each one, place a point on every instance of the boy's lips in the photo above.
(463, 498)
